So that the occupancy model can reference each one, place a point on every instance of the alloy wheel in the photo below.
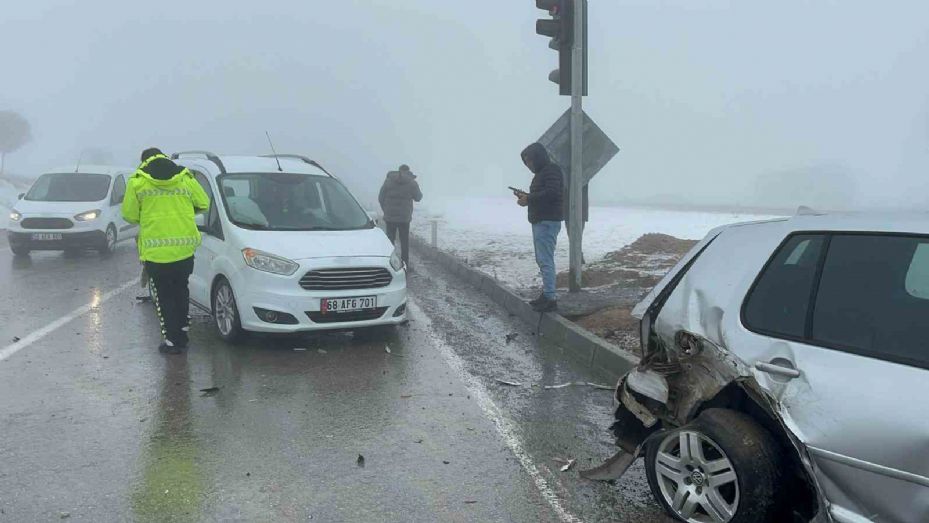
(224, 309)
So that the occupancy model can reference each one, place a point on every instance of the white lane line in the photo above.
(506, 428)
(35, 336)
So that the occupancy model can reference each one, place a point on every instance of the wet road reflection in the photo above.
(171, 484)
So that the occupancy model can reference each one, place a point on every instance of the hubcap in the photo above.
(696, 478)
(224, 310)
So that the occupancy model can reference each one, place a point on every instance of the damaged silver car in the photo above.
(785, 375)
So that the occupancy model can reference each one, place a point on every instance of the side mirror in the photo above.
(21, 195)
(200, 220)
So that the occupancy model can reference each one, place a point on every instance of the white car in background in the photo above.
(66, 210)
(287, 248)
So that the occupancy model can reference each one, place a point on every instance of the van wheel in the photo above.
(20, 249)
(721, 467)
(109, 241)
(226, 313)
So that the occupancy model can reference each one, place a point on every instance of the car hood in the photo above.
(55, 209)
(301, 245)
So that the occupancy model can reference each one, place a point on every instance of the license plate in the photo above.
(338, 305)
(46, 236)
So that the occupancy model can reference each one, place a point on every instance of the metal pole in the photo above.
(575, 206)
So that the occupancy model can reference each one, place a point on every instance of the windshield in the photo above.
(69, 187)
(290, 202)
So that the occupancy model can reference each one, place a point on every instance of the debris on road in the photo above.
(511, 337)
(567, 464)
(578, 383)
(16, 339)
(406, 396)
(470, 501)
(300, 349)
(509, 383)
(360, 461)
(387, 349)
(209, 391)
(446, 462)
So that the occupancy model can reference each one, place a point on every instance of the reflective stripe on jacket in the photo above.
(164, 207)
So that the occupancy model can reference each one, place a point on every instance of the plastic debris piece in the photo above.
(470, 501)
(321, 351)
(561, 386)
(387, 349)
(300, 349)
(602, 387)
(209, 391)
(567, 466)
(360, 461)
(509, 383)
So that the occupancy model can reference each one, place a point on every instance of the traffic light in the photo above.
(560, 28)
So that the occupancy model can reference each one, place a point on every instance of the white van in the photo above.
(66, 210)
(287, 248)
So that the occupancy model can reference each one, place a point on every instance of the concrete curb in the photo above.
(575, 341)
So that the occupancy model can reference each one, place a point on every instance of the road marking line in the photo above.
(35, 336)
(506, 428)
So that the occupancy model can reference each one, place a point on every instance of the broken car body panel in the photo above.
(859, 425)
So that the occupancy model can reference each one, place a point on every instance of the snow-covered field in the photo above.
(493, 235)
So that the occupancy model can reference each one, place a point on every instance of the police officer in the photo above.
(163, 198)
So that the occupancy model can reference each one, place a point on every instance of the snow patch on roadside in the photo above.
(492, 234)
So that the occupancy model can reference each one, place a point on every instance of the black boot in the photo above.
(538, 300)
(546, 305)
(164, 348)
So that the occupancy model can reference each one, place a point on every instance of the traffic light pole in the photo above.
(575, 205)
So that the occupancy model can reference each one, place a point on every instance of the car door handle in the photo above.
(778, 370)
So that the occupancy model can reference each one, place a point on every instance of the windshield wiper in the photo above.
(252, 226)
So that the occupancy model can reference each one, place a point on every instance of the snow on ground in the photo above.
(493, 235)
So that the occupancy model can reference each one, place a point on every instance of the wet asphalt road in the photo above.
(95, 425)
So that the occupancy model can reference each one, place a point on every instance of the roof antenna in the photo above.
(278, 160)
(79, 158)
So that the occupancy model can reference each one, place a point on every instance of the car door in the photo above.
(124, 229)
(840, 324)
(212, 237)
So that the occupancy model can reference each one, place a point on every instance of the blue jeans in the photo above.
(545, 236)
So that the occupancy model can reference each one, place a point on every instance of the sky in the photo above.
(742, 103)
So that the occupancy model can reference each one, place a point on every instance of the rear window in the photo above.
(779, 302)
(873, 297)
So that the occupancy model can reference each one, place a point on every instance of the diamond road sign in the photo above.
(598, 148)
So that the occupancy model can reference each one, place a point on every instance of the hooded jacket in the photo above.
(163, 198)
(546, 192)
(397, 195)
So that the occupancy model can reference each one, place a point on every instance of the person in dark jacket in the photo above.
(397, 195)
(545, 201)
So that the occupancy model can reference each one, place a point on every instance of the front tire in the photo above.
(721, 467)
(109, 241)
(226, 313)
(20, 249)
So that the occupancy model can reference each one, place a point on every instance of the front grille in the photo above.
(47, 223)
(346, 279)
(339, 317)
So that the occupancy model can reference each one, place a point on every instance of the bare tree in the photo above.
(15, 132)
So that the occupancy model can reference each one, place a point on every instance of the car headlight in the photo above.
(88, 216)
(15, 216)
(265, 262)
(396, 261)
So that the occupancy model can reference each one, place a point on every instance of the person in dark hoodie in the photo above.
(545, 201)
(163, 198)
(397, 195)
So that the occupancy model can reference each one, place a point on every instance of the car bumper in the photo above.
(262, 292)
(69, 240)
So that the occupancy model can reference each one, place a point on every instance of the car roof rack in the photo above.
(302, 158)
(209, 156)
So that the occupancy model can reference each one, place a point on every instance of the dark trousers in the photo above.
(172, 297)
(404, 229)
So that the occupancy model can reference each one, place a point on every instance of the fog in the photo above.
(731, 103)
